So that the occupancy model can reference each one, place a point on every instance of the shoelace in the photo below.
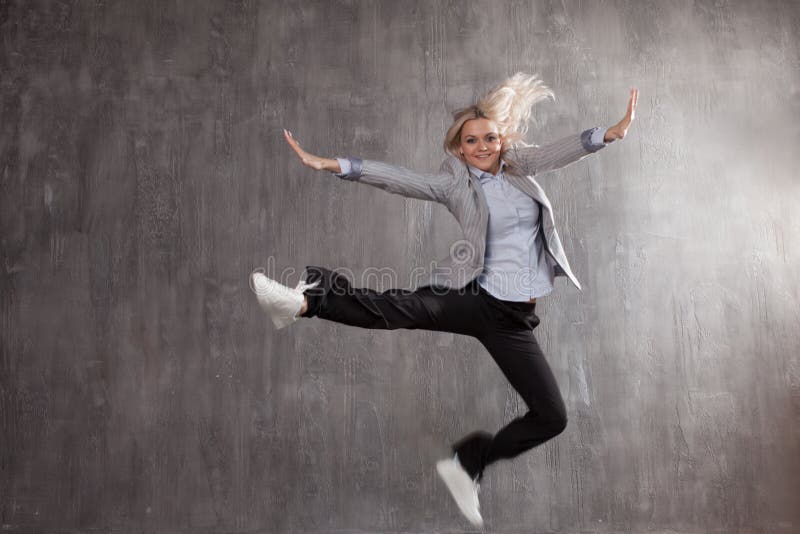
(302, 285)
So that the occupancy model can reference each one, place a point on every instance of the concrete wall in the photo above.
(143, 175)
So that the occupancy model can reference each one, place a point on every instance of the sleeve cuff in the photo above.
(344, 165)
(592, 138)
(351, 168)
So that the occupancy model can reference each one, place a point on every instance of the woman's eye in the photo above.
(470, 140)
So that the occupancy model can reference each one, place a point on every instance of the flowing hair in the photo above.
(508, 104)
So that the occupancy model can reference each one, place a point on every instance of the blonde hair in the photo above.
(508, 105)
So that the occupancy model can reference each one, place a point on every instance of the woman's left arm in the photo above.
(574, 147)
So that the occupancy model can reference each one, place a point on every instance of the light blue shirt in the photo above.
(515, 267)
(515, 264)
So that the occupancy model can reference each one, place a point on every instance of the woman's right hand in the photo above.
(310, 160)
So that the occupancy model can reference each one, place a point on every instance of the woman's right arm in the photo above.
(400, 180)
(391, 178)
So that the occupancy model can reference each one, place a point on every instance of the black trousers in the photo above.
(504, 328)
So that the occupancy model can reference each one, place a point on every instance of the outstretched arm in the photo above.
(390, 178)
(574, 147)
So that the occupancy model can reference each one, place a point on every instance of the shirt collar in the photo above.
(485, 175)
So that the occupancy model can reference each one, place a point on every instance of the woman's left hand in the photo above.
(619, 130)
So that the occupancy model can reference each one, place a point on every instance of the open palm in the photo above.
(310, 160)
(619, 130)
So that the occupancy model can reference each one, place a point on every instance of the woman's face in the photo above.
(481, 144)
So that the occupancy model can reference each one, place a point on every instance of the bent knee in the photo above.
(559, 424)
(553, 424)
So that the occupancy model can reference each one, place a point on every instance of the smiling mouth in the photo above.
(482, 157)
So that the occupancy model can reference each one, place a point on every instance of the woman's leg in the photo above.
(506, 330)
(334, 299)
(521, 360)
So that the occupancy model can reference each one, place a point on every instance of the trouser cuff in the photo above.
(317, 296)
(472, 452)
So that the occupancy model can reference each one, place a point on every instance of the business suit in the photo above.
(461, 193)
(450, 299)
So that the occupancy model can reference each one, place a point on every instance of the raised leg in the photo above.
(334, 299)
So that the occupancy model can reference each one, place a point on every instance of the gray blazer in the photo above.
(462, 194)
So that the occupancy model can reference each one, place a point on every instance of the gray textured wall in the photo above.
(143, 175)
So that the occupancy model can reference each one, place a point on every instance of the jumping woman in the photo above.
(488, 285)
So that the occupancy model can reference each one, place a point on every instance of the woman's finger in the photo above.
(309, 160)
(631, 104)
(288, 135)
(295, 146)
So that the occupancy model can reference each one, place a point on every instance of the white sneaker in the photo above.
(282, 303)
(463, 489)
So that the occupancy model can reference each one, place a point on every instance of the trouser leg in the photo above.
(521, 360)
(336, 300)
(506, 330)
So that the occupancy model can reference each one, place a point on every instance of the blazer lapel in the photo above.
(528, 185)
(477, 190)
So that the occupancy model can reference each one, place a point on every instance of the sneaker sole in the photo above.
(447, 472)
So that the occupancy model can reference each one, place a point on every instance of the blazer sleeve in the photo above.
(400, 180)
(567, 150)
